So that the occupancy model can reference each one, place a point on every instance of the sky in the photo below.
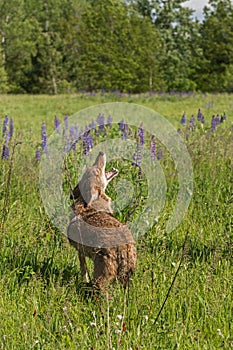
(198, 6)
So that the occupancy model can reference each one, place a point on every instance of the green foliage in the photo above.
(43, 303)
(117, 49)
(4, 79)
(217, 46)
(131, 46)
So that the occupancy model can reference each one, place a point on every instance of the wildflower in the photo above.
(72, 131)
(100, 121)
(217, 119)
(141, 135)
(73, 145)
(121, 125)
(183, 119)
(199, 115)
(153, 148)
(87, 142)
(44, 138)
(120, 317)
(160, 154)
(213, 123)
(57, 124)
(192, 120)
(37, 157)
(125, 132)
(5, 124)
(223, 117)
(11, 129)
(109, 122)
(137, 158)
(5, 151)
(92, 125)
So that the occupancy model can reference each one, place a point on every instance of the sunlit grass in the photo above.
(43, 303)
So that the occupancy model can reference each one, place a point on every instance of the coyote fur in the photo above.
(96, 233)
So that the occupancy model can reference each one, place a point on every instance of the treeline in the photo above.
(60, 46)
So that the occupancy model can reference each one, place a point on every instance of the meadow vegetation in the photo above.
(44, 305)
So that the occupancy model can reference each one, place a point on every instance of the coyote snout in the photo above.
(95, 232)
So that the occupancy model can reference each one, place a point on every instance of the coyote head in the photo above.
(94, 181)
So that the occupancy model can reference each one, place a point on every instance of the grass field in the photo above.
(44, 305)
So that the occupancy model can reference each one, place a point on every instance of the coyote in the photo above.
(96, 233)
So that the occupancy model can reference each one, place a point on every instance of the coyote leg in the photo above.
(83, 266)
(105, 270)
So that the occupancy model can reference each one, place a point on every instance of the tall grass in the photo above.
(43, 303)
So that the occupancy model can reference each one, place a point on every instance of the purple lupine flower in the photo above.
(72, 140)
(213, 123)
(217, 119)
(67, 147)
(224, 117)
(72, 131)
(153, 148)
(37, 157)
(100, 121)
(137, 158)
(125, 132)
(11, 128)
(44, 138)
(141, 135)
(121, 125)
(93, 125)
(5, 125)
(109, 121)
(57, 124)
(43, 135)
(192, 120)
(199, 115)
(202, 119)
(160, 154)
(183, 119)
(73, 145)
(87, 142)
(5, 151)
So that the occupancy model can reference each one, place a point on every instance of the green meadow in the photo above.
(180, 295)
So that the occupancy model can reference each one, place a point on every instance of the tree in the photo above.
(18, 43)
(180, 33)
(3, 75)
(117, 49)
(217, 45)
